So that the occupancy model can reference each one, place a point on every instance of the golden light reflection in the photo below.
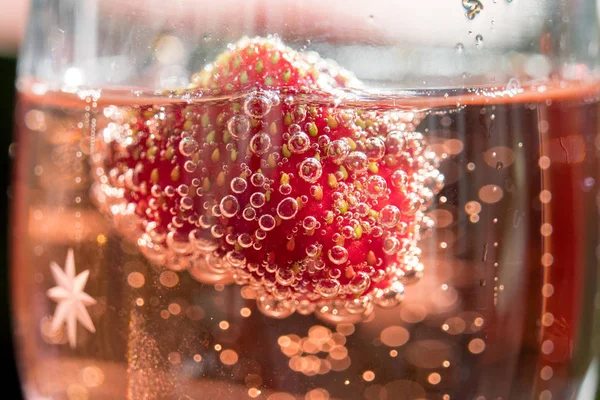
(245, 312)
(368, 376)
(281, 396)
(228, 357)
(434, 378)
(490, 194)
(428, 353)
(394, 336)
(169, 279)
(92, 376)
(77, 392)
(499, 157)
(317, 394)
(476, 346)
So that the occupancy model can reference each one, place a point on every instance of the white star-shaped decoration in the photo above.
(72, 300)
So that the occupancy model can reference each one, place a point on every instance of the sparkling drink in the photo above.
(489, 292)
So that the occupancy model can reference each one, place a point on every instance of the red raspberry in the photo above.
(272, 185)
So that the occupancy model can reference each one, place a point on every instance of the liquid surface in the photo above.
(503, 309)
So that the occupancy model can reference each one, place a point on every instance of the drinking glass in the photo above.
(307, 199)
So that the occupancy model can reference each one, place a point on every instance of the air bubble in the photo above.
(190, 166)
(245, 240)
(285, 189)
(399, 179)
(238, 185)
(183, 190)
(299, 114)
(348, 232)
(357, 162)
(239, 127)
(287, 208)
(249, 213)
(359, 283)
(374, 148)
(328, 288)
(260, 143)
(513, 84)
(229, 206)
(391, 245)
(391, 296)
(395, 142)
(257, 200)
(338, 150)
(284, 276)
(294, 128)
(274, 308)
(312, 250)
(298, 143)
(338, 255)
(169, 191)
(186, 203)
(217, 231)
(257, 105)
(363, 209)
(376, 186)
(178, 243)
(389, 216)
(201, 244)
(187, 146)
(266, 222)
(309, 223)
(310, 170)
(260, 234)
(257, 179)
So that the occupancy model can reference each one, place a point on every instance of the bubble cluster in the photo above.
(317, 209)
(320, 352)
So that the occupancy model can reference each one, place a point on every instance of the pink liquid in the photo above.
(504, 308)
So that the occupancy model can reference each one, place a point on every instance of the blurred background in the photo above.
(12, 20)
(12, 17)
(7, 101)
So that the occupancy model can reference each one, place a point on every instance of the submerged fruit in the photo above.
(316, 207)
